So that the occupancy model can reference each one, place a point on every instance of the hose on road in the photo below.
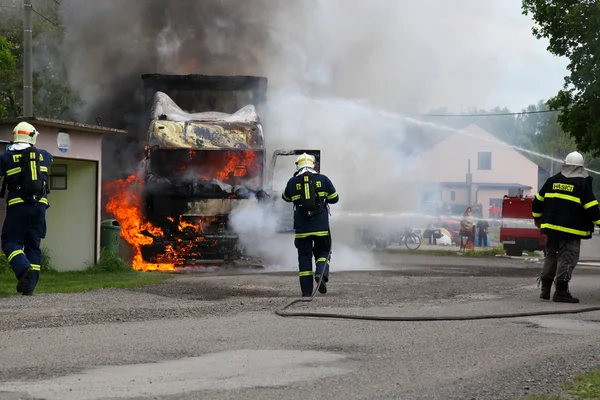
(282, 313)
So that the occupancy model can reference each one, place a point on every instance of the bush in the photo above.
(109, 262)
(45, 265)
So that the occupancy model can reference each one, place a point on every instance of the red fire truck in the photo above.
(518, 231)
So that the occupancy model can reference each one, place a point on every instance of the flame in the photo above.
(125, 204)
(236, 164)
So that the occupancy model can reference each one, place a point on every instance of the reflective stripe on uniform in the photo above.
(36, 267)
(13, 171)
(540, 198)
(43, 169)
(307, 234)
(536, 215)
(322, 259)
(44, 200)
(597, 222)
(590, 204)
(16, 200)
(14, 254)
(565, 229)
(296, 197)
(564, 197)
(285, 197)
(332, 196)
(306, 273)
(306, 188)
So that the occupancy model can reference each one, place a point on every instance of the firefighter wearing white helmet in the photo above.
(24, 173)
(311, 193)
(566, 210)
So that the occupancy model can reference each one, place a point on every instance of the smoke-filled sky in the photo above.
(407, 56)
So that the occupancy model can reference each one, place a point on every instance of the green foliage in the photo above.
(585, 386)
(8, 72)
(572, 27)
(51, 97)
(109, 262)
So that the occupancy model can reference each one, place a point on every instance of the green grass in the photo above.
(110, 272)
(488, 252)
(583, 387)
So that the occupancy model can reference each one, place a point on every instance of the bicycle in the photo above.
(411, 239)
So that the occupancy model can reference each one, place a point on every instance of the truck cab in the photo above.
(518, 231)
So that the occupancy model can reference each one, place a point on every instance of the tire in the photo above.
(412, 241)
(513, 251)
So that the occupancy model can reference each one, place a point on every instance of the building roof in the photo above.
(63, 124)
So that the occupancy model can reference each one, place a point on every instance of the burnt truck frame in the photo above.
(164, 201)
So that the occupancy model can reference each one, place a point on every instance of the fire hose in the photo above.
(282, 313)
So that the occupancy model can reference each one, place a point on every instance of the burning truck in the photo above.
(198, 166)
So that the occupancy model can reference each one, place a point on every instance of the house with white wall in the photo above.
(471, 167)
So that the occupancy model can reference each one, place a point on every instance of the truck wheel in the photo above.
(513, 251)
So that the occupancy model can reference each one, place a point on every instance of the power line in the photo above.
(41, 15)
(490, 115)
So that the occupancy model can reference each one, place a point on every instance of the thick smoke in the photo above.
(317, 54)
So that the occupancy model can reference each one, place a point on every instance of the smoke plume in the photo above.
(317, 54)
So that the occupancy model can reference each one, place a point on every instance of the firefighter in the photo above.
(566, 210)
(311, 193)
(24, 172)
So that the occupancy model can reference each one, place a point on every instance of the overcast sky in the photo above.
(523, 70)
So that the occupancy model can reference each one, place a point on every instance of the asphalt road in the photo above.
(216, 337)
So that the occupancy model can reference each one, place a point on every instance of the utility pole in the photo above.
(27, 55)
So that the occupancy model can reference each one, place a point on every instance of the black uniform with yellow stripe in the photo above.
(566, 207)
(25, 222)
(312, 232)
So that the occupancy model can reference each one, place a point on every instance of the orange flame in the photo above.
(126, 205)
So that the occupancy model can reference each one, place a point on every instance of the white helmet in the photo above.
(575, 158)
(24, 132)
(305, 161)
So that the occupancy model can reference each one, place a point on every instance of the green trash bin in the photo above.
(110, 235)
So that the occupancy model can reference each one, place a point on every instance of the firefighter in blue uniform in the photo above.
(311, 221)
(24, 173)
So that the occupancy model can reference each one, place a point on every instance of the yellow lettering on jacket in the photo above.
(16, 158)
(563, 187)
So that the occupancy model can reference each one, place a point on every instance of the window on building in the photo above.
(58, 177)
(452, 195)
(484, 160)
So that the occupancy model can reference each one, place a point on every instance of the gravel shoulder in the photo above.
(226, 321)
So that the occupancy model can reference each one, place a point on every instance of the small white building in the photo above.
(73, 219)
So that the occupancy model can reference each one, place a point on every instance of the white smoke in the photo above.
(320, 57)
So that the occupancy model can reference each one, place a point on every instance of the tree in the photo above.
(8, 72)
(572, 28)
(51, 98)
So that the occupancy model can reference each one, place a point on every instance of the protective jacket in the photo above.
(567, 206)
(10, 170)
(317, 224)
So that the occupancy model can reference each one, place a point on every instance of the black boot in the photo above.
(562, 294)
(24, 280)
(546, 287)
(322, 286)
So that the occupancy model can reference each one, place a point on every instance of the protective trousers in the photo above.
(319, 247)
(24, 228)
(561, 258)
